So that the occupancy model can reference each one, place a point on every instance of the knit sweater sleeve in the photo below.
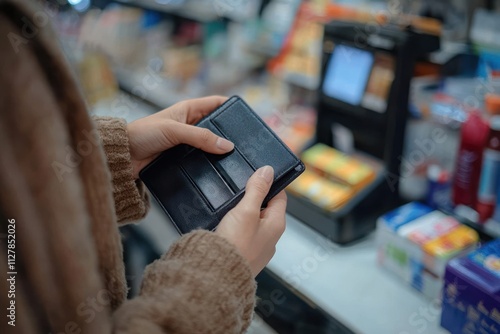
(130, 196)
(202, 285)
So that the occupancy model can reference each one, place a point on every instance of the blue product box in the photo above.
(471, 295)
(405, 214)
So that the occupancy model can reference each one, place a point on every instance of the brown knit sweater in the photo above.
(68, 184)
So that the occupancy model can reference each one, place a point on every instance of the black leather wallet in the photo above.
(196, 189)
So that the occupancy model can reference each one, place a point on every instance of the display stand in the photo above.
(365, 82)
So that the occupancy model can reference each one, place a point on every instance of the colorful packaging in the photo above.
(322, 192)
(471, 294)
(405, 214)
(416, 243)
(428, 227)
(449, 244)
(338, 167)
(488, 257)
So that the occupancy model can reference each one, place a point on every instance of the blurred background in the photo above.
(392, 105)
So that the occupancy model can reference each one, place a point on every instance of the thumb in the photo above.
(201, 138)
(257, 188)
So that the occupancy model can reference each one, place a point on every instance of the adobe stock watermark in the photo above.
(256, 325)
(75, 156)
(124, 104)
(297, 275)
(267, 306)
(120, 107)
(87, 311)
(422, 319)
(475, 100)
(373, 27)
(425, 148)
(425, 319)
(31, 26)
(368, 33)
(300, 273)
(224, 7)
(280, 120)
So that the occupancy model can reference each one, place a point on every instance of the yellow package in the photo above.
(335, 165)
(452, 242)
(322, 192)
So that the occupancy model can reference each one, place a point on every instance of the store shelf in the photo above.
(124, 106)
(151, 87)
(263, 49)
(299, 80)
(185, 11)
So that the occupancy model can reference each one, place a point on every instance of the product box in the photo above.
(337, 166)
(416, 242)
(471, 294)
(324, 193)
(332, 178)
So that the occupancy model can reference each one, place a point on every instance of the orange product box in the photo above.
(320, 191)
(337, 166)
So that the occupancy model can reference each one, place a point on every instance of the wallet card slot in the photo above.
(209, 125)
(179, 197)
(233, 168)
(264, 148)
(206, 179)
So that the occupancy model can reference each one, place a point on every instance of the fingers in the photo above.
(191, 111)
(276, 207)
(204, 139)
(274, 216)
(257, 188)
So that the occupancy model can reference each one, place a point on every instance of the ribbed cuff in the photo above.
(131, 198)
(212, 270)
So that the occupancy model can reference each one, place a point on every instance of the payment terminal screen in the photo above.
(347, 74)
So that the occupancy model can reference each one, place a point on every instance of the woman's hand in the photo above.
(149, 136)
(255, 232)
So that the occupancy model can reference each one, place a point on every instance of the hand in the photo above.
(149, 136)
(255, 232)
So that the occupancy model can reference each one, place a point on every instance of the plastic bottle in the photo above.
(490, 172)
(438, 190)
(468, 166)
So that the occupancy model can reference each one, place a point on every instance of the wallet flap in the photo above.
(254, 139)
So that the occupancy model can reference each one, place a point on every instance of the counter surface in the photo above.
(344, 281)
(347, 283)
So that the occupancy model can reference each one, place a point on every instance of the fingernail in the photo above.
(267, 172)
(224, 144)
